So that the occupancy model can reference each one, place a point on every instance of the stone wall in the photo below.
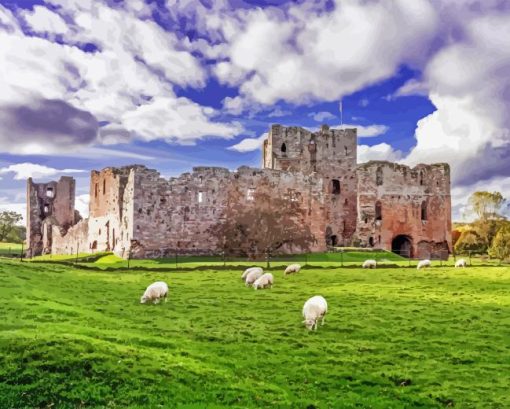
(75, 240)
(406, 209)
(48, 204)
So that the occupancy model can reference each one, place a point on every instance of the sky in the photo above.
(173, 84)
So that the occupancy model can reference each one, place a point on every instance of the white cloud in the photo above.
(300, 55)
(364, 102)
(322, 116)
(368, 131)
(278, 112)
(43, 20)
(469, 85)
(27, 170)
(249, 144)
(381, 151)
(20, 208)
(137, 63)
(82, 204)
(412, 87)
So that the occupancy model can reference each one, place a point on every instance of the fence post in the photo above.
(268, 265)
(176, 260)
(21, 255)
(224, 261)
(129, 258)
(306, 259)
(409, 257)
(77, 251)
(469, 252)
(342, 257)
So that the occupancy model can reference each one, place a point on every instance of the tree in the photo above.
(262, 222)
(486, 205)
(470, 240)
(8, 222)
(500, 247)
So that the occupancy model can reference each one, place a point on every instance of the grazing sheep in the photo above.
(461, 263)
(155, 292)
(249, 270)
(423, 264)
(293, 268)
(315, 308)
(252, 277)
(264, 281)
(370, 264)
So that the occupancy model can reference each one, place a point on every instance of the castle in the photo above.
(135, 212)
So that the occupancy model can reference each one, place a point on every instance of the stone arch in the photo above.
(402, 245)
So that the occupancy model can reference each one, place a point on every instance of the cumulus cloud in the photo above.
(23, 171)
(278, 112)
(322, 116)
(470, 87)
(382, 151)
(249, 144)
(130, 63)
(300, 55)
(82, 204)
(368, 131)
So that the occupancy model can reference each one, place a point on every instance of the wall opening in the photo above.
(379, 176)
(335, 186)
(200, 197)
(334, 240)
(371, 241)
(283, 148)
(424, 210)
(402, 245)
(95, 190)
(49, 192)
(250, 194)
(93, 246)
(378, 211)
(104, 187)
(46, 208)
(421, 178)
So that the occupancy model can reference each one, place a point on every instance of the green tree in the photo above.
(500, 247)
(8, 223)
(486, 205)
(470, 240)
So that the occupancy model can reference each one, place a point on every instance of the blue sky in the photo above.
(174, 84)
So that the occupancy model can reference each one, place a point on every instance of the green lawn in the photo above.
(394, 338)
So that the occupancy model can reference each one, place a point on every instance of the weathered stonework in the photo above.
(134, 211)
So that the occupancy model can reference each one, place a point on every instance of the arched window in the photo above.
(378, 211)
(379, 177)
(335, 186)
(424, 210)
(283, 148)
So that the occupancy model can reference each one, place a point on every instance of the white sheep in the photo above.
(249, 270)
(423, 264)
(461, 263)
(315, 308)
(369, 264)
(252, 277)
(264, 281)
(293, 268)
(155, 292)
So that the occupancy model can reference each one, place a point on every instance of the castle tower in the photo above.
(330, 154)
(48, 204)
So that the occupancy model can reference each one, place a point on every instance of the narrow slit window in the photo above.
(378, 211)
(104, 187)
(424, 210)
(335, 186)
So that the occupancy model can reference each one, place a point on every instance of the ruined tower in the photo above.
(48, 204)
(330, 154)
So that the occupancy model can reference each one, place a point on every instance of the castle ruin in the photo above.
(135, 212)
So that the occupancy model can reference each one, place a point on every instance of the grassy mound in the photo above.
(394, 338)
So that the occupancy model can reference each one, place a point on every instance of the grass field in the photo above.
(7, 249)
(394, 338)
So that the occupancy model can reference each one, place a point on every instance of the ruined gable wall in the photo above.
(401, 193)
(106, 203)
(73, 241)
(48, 203)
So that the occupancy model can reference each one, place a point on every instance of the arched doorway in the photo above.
(402, 245)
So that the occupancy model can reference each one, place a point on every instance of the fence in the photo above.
(13, 252)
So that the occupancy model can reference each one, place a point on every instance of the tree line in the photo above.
(489, 232)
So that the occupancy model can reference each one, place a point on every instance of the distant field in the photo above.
(8, 249)
(394, 338)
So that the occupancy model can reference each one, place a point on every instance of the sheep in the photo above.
(314, 308)
(423, 264)
(461, 263)
(264, 281)
(293, 268)
(155, 292)
(252, 277)
(249, 270)
(369, 264)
